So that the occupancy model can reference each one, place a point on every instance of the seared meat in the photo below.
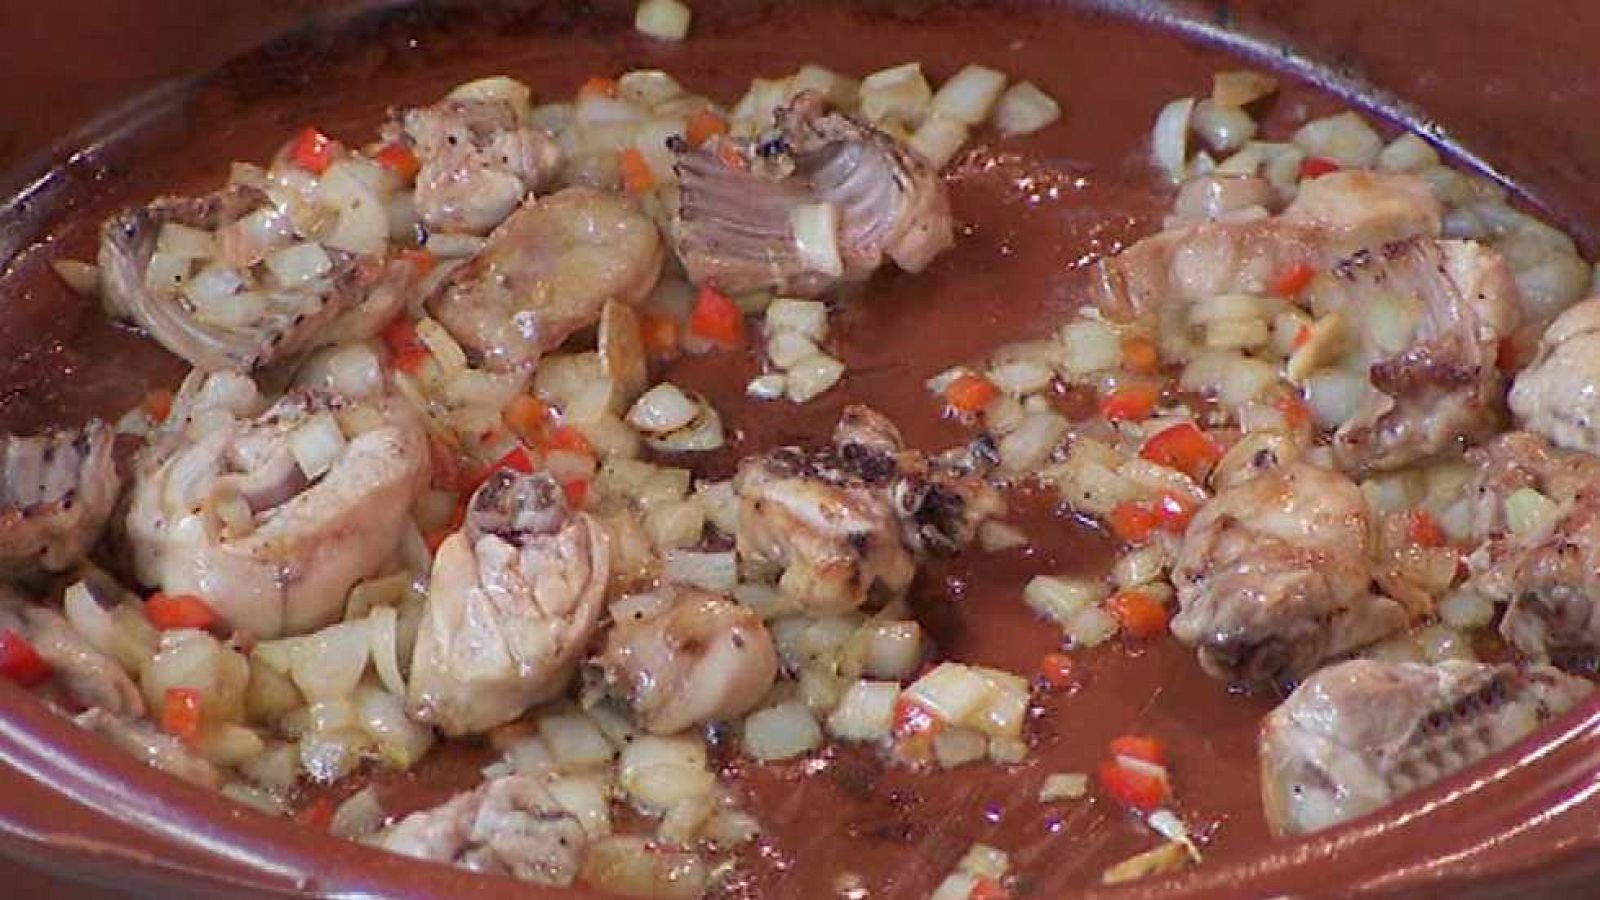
(251, 327)
(1367, 209)
(510, 826)
(1558, 394)
(1443, 390)
(480, 159)
(56, 492)
(844, 521)
(1360, 734)
(153, 747)
(225, 507)
(691, 657)
(547, 272)
(1274, 574)
(1549, 571)
(732, 227)
(512, 603)
(90, 677)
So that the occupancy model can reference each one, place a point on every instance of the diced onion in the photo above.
(781, 732)
(812, 376)
(666, 20)
(771, 386)
(1032, 442)
(454, 246)
(358, 816)
(970, 95)
(808, 318)
(1064, 786)
(865, 713)
(327, 664)
(663, 409)
(786, 348)
(815, 227)
(1345, 138)
(899, 94)
(1090, 347)
(1528, 511)
(575, 741)
(1407, 153)
(316, 444)
(1223, 128)
(1333, 395)
(1466, 610)
(1059, 599)
(1240, 87)
(634, 866)
(185, 242)
(938, 140)
(717, 572)
(1024, 109)
(363, 220)
(660, 772)
(299, 264)
(1091, 626)
(954, 747)
(80, 276)
(1169, 141)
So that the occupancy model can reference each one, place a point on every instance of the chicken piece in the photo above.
(510, 825)
(1361, 734)
(732, 227)
(850, 519)
(154, 748)
(88, 676)
(1558, 394)
(1368, 209)
(691, 658)
(1443, 390)
(1549, 570)
(512, 603)
(273, 517)
(256, 320)
(480, 158)
(1273, 577)
(546, 273)
(56, 492)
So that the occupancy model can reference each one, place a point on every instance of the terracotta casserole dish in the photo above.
(109, 102)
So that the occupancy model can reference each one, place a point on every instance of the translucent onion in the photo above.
(781, 732)
(666, 20)
(815, 227)
(1170, 137)
(865, 713)
(811, 377)
(970, 95)
(1025, 109)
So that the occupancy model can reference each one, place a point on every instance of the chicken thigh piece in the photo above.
(479, 155)
(688, 658)
(1537, 511)
(846, 522)
(56, 492)
(734, 227)
(1361, 734)
(1558, 394)
(1274, 577)
(510, 825)
(513, 601)
(547, 272)
(272, 516)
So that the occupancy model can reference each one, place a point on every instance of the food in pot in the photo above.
(56, 494)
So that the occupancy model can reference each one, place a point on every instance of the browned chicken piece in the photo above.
(480, 159)
(1545, 560)
(1274, 577)
(155, 748)
(273, 515)
(1558, 394)
(56, 492)
(688, 658)
(733, 230)
(846, 522)
(352, 299)
(1367, 209)
(510, 825)
(513, 600)
(88, 676)
(1361, 734)
(546, 273)
(1443, 391)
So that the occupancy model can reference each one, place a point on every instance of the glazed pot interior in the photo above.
(153, 92)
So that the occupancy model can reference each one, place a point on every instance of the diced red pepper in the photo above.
(912, 719)
(517, 459)
(1058, 670)
(318, 815)
(1140, 355)
(169, 611)
(988, 889)
(1133, 522)
(1140, 615)
(1174, 512)
(1139, 747)
(19, 661)
(313, 151)
(1317, 166)
(420, 259)
(660, 336)
(1423, 530)
(704, 125)
(1183, 447)
(1291, 281)
(717, 319)
(968, 393)
(635, 171)
(1130, 404)
(577, 491)
(180, 713)
(570, 440)
(598, 86)
(399, 159)
(408, 349)
(1133, 786)
(527, 416)
(157, 404)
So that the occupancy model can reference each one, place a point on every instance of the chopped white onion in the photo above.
(297, 265)
(1345, 138)
(771, 386)
(1169, 140)
(663, 409)
(363, 219)
(812, 376)
(815, 227)
(658, 772)
(970, 95)
(80, 276)
(938, 140)
(185, 242)
(1064, 786)
(781, 732)
(865, 713)
(899, 94)
(666, 20)
(713, 571)
(1024, 109)
(317, 444)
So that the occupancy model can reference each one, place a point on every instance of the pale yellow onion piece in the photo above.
(1169, 140)
(1024, 109)
(815, 227)
(666, 20)
(382, 628)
